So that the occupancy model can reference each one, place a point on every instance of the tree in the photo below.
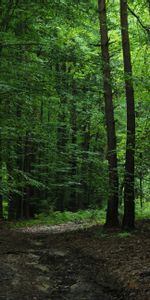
(112, 209)
(129, 195)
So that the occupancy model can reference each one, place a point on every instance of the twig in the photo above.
(146, 28)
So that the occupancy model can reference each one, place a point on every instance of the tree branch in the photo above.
(146, 28)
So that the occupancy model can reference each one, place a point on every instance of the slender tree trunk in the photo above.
(1, 196)
(112, 209)
(61, 133)
(141, 190)
(129, 214)
(73, 163)
(85, 165)
(29, 158)
(141, 180)
(1, 207)
(11, 165)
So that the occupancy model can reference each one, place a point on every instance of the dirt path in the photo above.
(60, 262)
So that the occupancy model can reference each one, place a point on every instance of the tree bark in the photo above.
(112, 208)
(73, 205)
(62, 134)
(1, 194)
(129, 214)
(85, 164)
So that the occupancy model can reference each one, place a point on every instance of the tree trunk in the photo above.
(29, 158)
(85, 165)
(129, 214)
(62, 134)
(73, 205)
(1, 195)
(141, 179)
(1, 207)
(112, 208)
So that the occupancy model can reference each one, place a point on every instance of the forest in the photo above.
(67, 139)
(74, 122)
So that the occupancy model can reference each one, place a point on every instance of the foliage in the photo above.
(53, 218)
(53, 148)
(92, 216)
(143, 212)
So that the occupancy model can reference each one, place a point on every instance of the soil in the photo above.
(74, 262)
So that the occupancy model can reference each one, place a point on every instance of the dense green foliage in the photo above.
(82, 218)
(53, 149)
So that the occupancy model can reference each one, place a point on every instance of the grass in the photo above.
(142, 212)
(93, 216)
(5, 209)
(124, 234)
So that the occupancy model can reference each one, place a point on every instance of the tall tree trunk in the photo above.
(29, 158)
(61, 133)
(73, 205)
(1, 196)
(74, 202)
(129, 214)
(112, 209)
(1, 207)
(85, 165)
(141, 180)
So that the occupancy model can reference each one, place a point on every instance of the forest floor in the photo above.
(74, 262)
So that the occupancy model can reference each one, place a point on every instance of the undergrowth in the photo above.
(142, 212)
(95, 216)
(53, 218)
